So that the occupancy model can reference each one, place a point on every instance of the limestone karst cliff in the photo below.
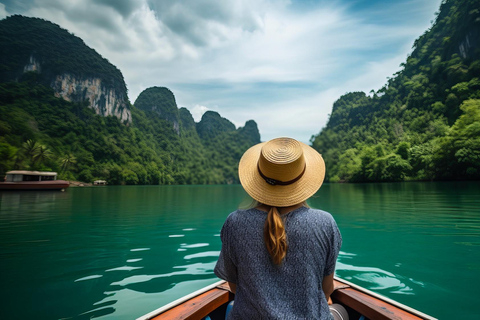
(105, 101)
(160, 102)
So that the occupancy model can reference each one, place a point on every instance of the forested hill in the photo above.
(37, 42)
(63, 62)
(424, 124)
(54, 115)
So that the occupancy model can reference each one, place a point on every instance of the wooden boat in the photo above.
(32, 180)
(212, 301)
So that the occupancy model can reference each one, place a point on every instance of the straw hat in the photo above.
(281, 172)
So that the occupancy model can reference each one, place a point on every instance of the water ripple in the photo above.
(95, 276)
(124, 268)
(195, 245)
(192, 269)
(203, 254)
(376, 279)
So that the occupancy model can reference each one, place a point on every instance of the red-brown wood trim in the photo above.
(369, 306)
(199, 306)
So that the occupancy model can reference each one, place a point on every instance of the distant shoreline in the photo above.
(79, 184)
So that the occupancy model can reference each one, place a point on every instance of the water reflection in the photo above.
(16, 206)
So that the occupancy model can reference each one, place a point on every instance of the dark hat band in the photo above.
(275, 182)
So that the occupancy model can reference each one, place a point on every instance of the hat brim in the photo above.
(281, 195)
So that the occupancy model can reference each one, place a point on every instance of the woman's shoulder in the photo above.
(316, 215)
(317, 212)
(244, 214)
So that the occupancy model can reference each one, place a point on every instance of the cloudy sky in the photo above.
(282, 63)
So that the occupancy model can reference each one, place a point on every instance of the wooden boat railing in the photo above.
(373, 305)
(203, 302)
(196, 305)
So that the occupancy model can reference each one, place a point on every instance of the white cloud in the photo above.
(197, 112)
(3, 12)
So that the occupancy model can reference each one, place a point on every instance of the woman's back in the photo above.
(292, 289)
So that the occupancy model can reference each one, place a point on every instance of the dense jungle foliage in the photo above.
(41, 132)
(424, 124)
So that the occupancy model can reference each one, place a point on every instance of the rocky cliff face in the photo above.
(105, 101)
(33, 65)
(469, 44)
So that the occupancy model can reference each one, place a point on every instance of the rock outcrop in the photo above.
(161, 101)
(212, 125)
(105, 101)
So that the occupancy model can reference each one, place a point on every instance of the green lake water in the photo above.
(120, 252)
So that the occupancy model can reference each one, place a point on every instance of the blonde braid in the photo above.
(275, 236)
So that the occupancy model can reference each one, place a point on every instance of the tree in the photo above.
(460, 150)
(42, 154)
(7, 156)
(29, 150)
(67, 161)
